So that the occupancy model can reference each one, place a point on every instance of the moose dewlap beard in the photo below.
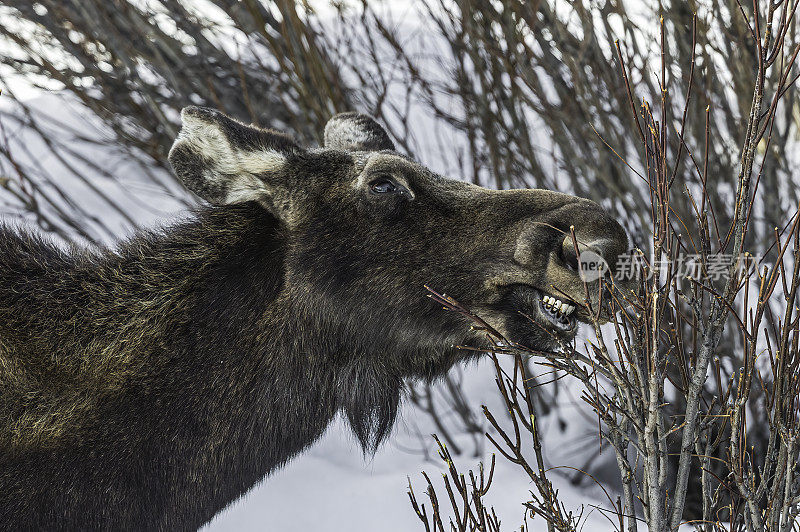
(369, 399)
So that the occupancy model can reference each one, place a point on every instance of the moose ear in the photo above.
(356, 132)
(224, 161)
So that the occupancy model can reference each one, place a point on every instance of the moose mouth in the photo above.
(553, 314)
(541, 314)
(558, 312)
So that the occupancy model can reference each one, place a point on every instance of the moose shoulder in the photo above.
(148, 386)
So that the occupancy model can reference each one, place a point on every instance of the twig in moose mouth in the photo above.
(499, 343)
(451, 304)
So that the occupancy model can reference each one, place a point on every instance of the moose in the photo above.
(149, 385)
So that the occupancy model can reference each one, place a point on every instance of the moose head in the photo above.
(367, 227)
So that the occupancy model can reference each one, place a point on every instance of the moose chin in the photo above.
(150, 385)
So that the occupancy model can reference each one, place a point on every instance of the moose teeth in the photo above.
(558, 307)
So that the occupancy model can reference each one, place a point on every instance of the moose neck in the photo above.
(249, 401)
(194, 382)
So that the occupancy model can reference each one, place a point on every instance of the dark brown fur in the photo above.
(149, 386)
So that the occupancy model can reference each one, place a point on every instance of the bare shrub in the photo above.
(674, 397)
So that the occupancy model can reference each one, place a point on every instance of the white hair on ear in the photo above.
(212, 144)
(347, 134)
(229, 168)
(204, 137)
(245, 187)
(355, 132)
(256, 162)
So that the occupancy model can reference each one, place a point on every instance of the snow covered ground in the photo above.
(333, 488)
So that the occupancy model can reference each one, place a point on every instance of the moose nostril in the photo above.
(591, 254)
(569, 254)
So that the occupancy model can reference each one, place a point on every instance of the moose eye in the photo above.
(383, 185)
